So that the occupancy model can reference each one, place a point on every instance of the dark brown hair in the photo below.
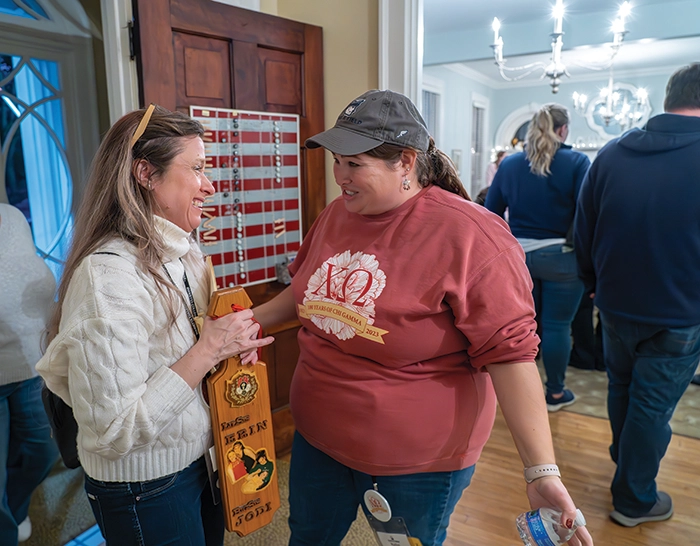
(683, 89)
(432, 167)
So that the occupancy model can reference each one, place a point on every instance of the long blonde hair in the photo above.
(542, 142)
(115, 205)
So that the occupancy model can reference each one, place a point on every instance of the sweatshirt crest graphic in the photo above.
(340, 296)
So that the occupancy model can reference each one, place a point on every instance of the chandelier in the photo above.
(617, 108)
(555, 69)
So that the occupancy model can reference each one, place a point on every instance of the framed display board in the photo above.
(251, 227)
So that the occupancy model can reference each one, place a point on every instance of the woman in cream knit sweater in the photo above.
(127, 352)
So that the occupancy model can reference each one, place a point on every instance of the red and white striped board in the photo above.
(253, 222)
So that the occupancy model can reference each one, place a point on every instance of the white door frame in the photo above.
(401, 47)
(122, 79)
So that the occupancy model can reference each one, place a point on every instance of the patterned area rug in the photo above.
(591, 390)
(60, 512)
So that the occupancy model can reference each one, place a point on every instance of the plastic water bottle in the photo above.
(543, 527)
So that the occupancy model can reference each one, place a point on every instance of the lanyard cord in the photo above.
(191, 311)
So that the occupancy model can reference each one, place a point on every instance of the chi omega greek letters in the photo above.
(340, 296)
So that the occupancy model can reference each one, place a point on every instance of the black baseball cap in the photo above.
(374, 118)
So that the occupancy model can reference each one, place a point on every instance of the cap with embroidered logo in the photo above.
(372, 119)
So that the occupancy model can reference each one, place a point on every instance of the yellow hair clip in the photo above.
(142, 126)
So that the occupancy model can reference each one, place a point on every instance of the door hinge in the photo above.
(132, 45)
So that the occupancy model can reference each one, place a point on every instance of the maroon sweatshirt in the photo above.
(400, 313)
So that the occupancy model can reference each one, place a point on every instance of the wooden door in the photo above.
(199, 52)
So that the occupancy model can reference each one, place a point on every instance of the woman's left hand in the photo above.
(549, 491)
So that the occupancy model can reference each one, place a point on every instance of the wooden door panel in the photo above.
(282, 81)
(247, 77)
(202, 71)
(259, 45)
(216, 19)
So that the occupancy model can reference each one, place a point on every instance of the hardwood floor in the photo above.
(485, 516)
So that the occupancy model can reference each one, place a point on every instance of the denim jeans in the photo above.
(324, 495)
(176, 510)
(557, 293)
(649, 368)
(27, 452)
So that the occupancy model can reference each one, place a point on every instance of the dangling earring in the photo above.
(406, 184)
(150, 186)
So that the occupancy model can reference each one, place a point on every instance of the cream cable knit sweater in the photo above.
(27, 290)
(138, 420)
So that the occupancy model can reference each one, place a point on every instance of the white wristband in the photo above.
(540, 471)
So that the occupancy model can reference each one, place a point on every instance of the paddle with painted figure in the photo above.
(239, 401)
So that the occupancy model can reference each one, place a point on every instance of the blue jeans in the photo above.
(557, 293)
(324, 494)
(177, 510)
(27, 452)
(649, 368)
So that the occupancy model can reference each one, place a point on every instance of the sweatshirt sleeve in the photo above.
(102, 355)
(494, 198)
(496, 312)
(580, 173)
(584, 228)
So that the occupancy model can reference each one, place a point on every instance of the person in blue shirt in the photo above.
(637, 239)
(538, 188)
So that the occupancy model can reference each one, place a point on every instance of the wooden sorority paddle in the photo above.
(241, 420)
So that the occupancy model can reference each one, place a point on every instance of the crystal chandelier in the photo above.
(555, 69)
(617, 108)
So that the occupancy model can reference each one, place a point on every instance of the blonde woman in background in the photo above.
(539, 187)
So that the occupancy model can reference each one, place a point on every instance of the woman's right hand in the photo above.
(550, 491)
(219, 339)
(231, 335)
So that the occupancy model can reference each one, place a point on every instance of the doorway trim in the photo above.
(401, 47)
(122, 80)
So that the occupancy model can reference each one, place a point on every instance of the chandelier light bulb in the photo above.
(618, 26)
(558, 13)
(642, 95)
(625, 10)
(496, 26)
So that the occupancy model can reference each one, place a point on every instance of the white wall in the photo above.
(457, 116)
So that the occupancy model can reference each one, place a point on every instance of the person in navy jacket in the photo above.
(637, 240)
(538, 187)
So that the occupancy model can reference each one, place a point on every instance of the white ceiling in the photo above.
(641, 56)
(448, 15)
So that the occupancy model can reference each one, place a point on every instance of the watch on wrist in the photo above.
(540, 471)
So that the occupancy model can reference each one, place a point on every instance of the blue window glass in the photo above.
(23, 8)
(33, 4)
(37, 175)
